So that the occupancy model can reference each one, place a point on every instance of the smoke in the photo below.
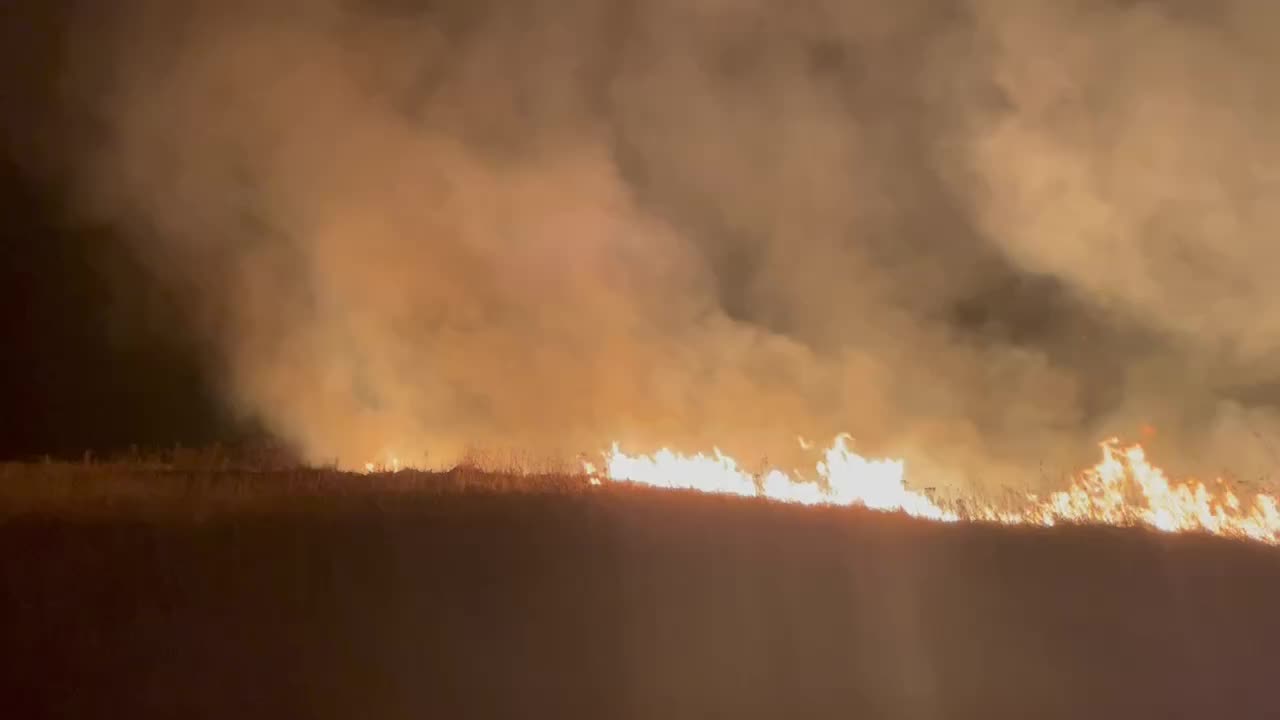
(979, 235)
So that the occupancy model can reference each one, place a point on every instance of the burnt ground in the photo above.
(623, 604)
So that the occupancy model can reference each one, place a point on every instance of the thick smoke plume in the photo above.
(981, 235)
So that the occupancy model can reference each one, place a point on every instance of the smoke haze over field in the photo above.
(981, 235)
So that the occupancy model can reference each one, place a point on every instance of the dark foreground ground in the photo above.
(621, 603)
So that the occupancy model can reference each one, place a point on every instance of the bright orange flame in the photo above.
(1123, 489)
(847, 479)
(1126, 489)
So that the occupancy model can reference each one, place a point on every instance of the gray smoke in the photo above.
(981, 235)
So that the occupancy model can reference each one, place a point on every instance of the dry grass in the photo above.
(160, 487)
(110, 487)
(199, 484)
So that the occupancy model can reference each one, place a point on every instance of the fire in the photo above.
(1124, 489)
(392, 465)
(846, 479)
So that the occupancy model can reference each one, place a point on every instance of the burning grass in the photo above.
(1124, 489)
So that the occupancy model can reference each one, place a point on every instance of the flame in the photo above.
(392, 466)
(1124, 489)
(846, 479)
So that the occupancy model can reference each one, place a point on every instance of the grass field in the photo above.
(140, 591)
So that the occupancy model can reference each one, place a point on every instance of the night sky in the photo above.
(95, 358)
(72, 379)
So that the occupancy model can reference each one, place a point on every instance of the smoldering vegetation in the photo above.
(977, 234)
(468, 598)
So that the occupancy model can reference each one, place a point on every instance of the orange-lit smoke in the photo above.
(976, 235)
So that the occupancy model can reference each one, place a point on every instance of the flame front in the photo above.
(1124, 489)
(846, 479)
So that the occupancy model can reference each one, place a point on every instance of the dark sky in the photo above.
(69, 380)
(94, 354)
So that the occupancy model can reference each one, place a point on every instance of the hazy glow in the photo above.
(433, 225)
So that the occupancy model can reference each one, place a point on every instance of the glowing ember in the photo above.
(1124, 489)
